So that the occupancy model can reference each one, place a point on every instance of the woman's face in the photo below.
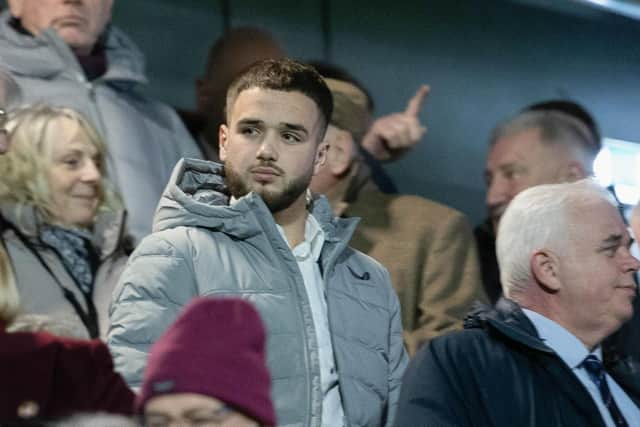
(73, 175)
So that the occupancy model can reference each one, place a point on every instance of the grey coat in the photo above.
(144, 138)
(203, 247)
(40, 292)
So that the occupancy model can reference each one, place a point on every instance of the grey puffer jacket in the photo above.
(200, 246)
(41, 275)
(145, 138)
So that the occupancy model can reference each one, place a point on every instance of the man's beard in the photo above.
(275, 201)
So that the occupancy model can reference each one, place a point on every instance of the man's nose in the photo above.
(268, 149)
(498, 192)
(630, 263)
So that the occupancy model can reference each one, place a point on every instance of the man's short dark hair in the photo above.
(284, 75)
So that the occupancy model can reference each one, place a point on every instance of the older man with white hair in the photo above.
(535, 359)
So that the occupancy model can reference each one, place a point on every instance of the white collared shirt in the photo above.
(307, 254)
(573, 352)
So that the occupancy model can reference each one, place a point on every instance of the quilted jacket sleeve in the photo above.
(398, 358)
(157, 282)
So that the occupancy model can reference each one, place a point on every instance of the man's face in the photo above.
(596, 271)
(517, 162)
(190, 409)
(271, 145)
(79, 23)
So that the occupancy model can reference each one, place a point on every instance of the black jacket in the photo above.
(497, 372)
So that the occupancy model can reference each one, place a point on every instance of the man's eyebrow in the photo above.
(295, 127)
(613, 239)
(249, 121)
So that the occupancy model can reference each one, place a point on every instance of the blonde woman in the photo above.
(61, 225)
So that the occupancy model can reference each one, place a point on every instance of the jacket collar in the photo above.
(508, 319)
(197, 196)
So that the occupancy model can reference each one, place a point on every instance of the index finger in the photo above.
(415, 104)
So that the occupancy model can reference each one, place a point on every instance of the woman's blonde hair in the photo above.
(9, 299)
(23, 170)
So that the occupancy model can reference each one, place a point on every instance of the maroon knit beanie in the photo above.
(216, 348)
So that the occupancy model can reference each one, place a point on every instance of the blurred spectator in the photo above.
(10, 97)
(44, 377)
(333, 321)
(60, 222)
(66, 53)
(231, 54)
(209, 367)
(536, 358)
(531, 148)
(388, 138)
(428, 248)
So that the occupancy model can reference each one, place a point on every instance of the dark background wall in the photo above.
(484, 59)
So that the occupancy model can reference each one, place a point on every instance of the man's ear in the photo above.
(575, 171)
(545, 268)
(341, 153)
(321, 155)
(223, 135)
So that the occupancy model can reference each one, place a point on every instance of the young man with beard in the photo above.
(334, 337)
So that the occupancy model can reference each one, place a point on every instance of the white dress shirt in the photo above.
(573, 352)
(307, 254)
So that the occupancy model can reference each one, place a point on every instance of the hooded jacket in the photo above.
(498, 372)
(201, 246)
(40, 273)
(144, 138)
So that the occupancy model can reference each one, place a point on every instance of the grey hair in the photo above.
(540, 217)
(556, 128)
(12, 92)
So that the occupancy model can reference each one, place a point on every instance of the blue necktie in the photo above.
(596, 372)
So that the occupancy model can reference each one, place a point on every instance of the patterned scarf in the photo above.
(77, 253)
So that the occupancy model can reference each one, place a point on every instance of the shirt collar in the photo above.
(566, 345)
(314, 238)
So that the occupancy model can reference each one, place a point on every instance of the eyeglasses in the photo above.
(195, 418)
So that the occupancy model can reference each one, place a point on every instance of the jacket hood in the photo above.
(47, 55)
(197, 196)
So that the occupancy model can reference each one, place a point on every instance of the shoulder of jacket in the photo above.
(170, 242)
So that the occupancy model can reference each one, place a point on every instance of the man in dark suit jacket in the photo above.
(536, 359)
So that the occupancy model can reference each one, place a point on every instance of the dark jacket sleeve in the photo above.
(432, 392)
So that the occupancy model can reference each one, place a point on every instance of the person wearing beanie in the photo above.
(427, 247)
(209, 367)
